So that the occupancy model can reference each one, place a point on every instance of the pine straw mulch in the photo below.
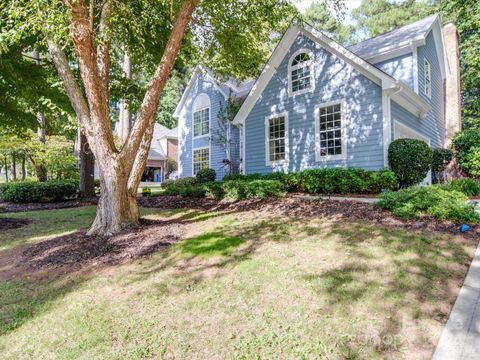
(9, 207)
(79, 252)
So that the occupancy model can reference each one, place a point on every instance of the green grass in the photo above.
(243, 287)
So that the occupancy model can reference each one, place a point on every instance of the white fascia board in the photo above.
(440, 47)
(394, 51)
(410, 100)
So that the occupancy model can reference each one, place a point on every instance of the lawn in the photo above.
(240, 286)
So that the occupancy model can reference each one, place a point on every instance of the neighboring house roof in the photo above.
(401, 93)
(230, 87)
(160, 131)
(156, 151)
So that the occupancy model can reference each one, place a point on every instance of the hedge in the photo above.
(33, 191)
(469, 187)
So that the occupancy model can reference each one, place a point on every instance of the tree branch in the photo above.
(82, 37)
(103, 50)
(140, 160)
(148, 108)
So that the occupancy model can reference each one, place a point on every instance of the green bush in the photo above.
(440, 159)
(214, 190)
(442, 204)
(469, 187)
(467, 151)
(346, 181)
(290, 181)
(32, 191)
(241, 190)
(192, 191)
(146, 192)
(206, 175)
(185, 181)
(410, 160)
(167, 183)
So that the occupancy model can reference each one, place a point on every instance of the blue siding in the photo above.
(187, 143)
(334, 80)
(400, 67)
(435, 118)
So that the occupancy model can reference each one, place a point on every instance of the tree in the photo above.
(321, 18)
(225, 32)
(375, 17)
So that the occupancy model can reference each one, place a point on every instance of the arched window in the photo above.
(201, 115)
(301, 73)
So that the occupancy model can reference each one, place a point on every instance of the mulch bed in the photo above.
(11, 223)
(78, 251)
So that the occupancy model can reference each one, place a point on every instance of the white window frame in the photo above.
(267, 140)
(310, 63)
(193, 157)
(343, 129)
(202, 102)
(427, 87)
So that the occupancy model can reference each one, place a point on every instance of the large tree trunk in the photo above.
(117, 208)
(5, 166)
(86, 166)
(24, 167)
(125, 116)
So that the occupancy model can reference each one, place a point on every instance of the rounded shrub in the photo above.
(34, 191)
(410, 160)
(206, 175)
(467, 151)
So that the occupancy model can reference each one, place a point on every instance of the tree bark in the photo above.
(14, 166)
(125, 117)
(120, 172)
(40, 169)
(24, 167)
(5, 162)
(86, 166)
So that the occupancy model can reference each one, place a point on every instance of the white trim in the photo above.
(395, 50)
(310, 63)
(343, 124)
(267, 147)
(387, 125)
(209, 156)
(415, 68)
(427, 91)
(242, 150)
(408, 129)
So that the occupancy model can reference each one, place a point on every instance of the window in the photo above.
(201, 122)
(427, 78)
(200, 159)
(330, 134)
(301, 73)
(277, 138)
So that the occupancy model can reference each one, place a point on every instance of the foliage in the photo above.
(442, 204)
(206, 175)
(467, 151)
(260, 189)
(32, 191)
(322, 18)
(469, 187)
(214, 190)
(375, 17)
(410, 160)
(440, 159)
(146, 191)
(171, 168)
(347, 181)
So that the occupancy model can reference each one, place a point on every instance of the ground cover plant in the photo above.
(443, 204)
(262, 279)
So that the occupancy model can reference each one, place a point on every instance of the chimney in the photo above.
(452, 84)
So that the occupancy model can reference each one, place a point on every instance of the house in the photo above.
(163, 155)
(205, 141)
(320, 104)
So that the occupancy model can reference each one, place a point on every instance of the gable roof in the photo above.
(231, 87)
(160, 131)
(402, 94)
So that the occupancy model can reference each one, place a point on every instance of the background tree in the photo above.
(322, 18)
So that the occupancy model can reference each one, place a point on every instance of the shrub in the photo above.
(467, 151)
(440, 159)
(167, 183)
(214, 190)
(185, 181)
(434, 200)
(234, 177)
(379, 181)
(146, 191)
(240, 189)
(206, 175)
(469, 187)
(410, 160)
(32, 191)
(192, 191)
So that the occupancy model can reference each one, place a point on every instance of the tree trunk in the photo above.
(86, 166)
(40, 169)
(14, 166)
(24, 167)
(125, 117)
(117, 208)
(5, 162)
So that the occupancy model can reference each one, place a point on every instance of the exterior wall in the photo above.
(335, 80)
(186, 141)
(433, 124)
(400, 67)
